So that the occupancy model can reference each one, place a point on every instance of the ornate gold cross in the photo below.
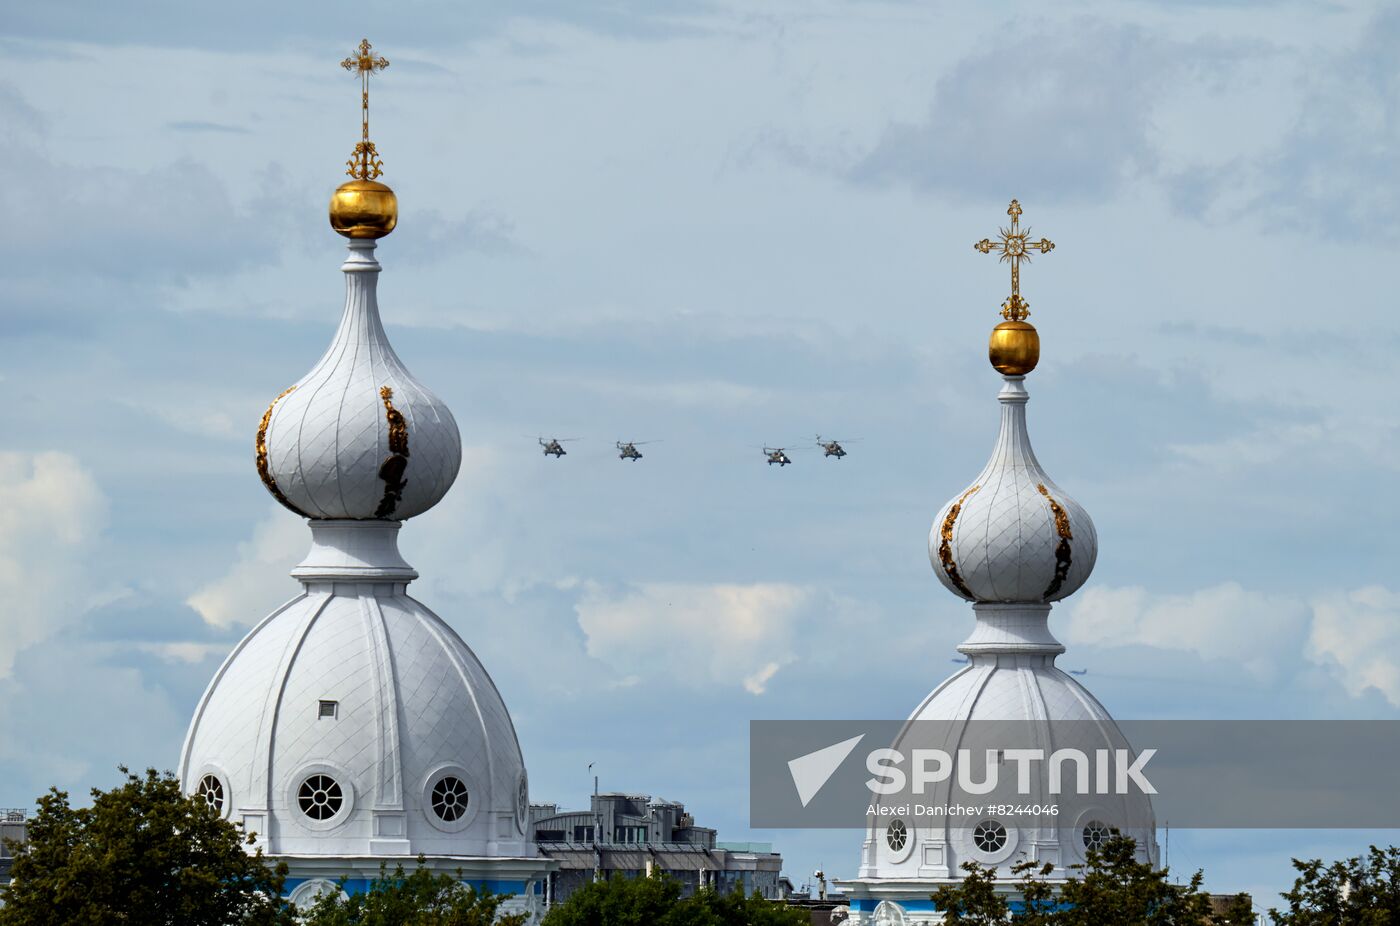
(365, 164)
(1014, 248)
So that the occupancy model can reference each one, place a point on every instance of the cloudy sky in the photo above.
(717, 225)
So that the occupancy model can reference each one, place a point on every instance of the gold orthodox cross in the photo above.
(1014, 248)
(365, 164)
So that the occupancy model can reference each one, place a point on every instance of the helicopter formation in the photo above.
(627, 450)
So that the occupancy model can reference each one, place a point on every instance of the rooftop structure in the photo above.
(632, 835)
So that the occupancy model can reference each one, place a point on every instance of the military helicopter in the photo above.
(555, 447)
(776, 455)
(627, 450)
(832, 448)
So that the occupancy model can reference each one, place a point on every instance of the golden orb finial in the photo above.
(364, 207)
(1015, 346)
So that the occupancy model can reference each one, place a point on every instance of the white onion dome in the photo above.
(353, 721)
(358, 437)
(1013, 536)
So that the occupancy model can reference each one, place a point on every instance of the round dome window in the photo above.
(522, 802)
(211, 792)
(320, 797)
(449, 798)
(899, 840)
(989, 837)
(1095, 834)
(897, 836)
(452, 798)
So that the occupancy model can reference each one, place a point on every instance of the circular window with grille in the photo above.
(211, 792)
(897, 836)
(522, 802)
(989, 837)
(449, 798)
(320, 797)
(1095, 834)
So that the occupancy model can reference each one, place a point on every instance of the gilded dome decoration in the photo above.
(1014, 349)
(336, 443)
(363, 207)
(1013, 536)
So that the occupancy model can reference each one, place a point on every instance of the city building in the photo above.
(631, 835)
(13, 833)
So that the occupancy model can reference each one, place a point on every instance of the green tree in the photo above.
(973, 901)
(1359, 891)
(1113, 888)
(418, 899)
(142, 853)
(657, 901)
(1040, 902)
(619, 901)
(740, 909)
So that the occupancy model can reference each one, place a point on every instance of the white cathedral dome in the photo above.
(358, 436)
(353, 722)
(1011, 682)
(1013, 543)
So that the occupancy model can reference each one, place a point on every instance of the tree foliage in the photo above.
(1112, 888)
(1359, 891)
(142, 853)
(657, 901)
(418, 899)
(975, 900)
(1115, 888)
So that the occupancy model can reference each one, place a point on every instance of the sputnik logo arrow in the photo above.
(811, 772)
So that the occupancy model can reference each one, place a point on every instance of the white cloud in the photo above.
(1353, 634)
(1080, 100)
(72, 711)
(696, 634)
(758, 682)
(1263, 633)
(1357, 634)
(1332, 172)
(258, 581)
(51, 510)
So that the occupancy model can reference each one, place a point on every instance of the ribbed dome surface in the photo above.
(1052, 709)
(355, 682)
(1013, 535)
(358, 436)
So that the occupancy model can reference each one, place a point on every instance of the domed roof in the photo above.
(975, 706)
(1013, 535)
(359, 436)
(354, 721)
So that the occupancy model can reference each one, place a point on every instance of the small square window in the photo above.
(328, 710)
